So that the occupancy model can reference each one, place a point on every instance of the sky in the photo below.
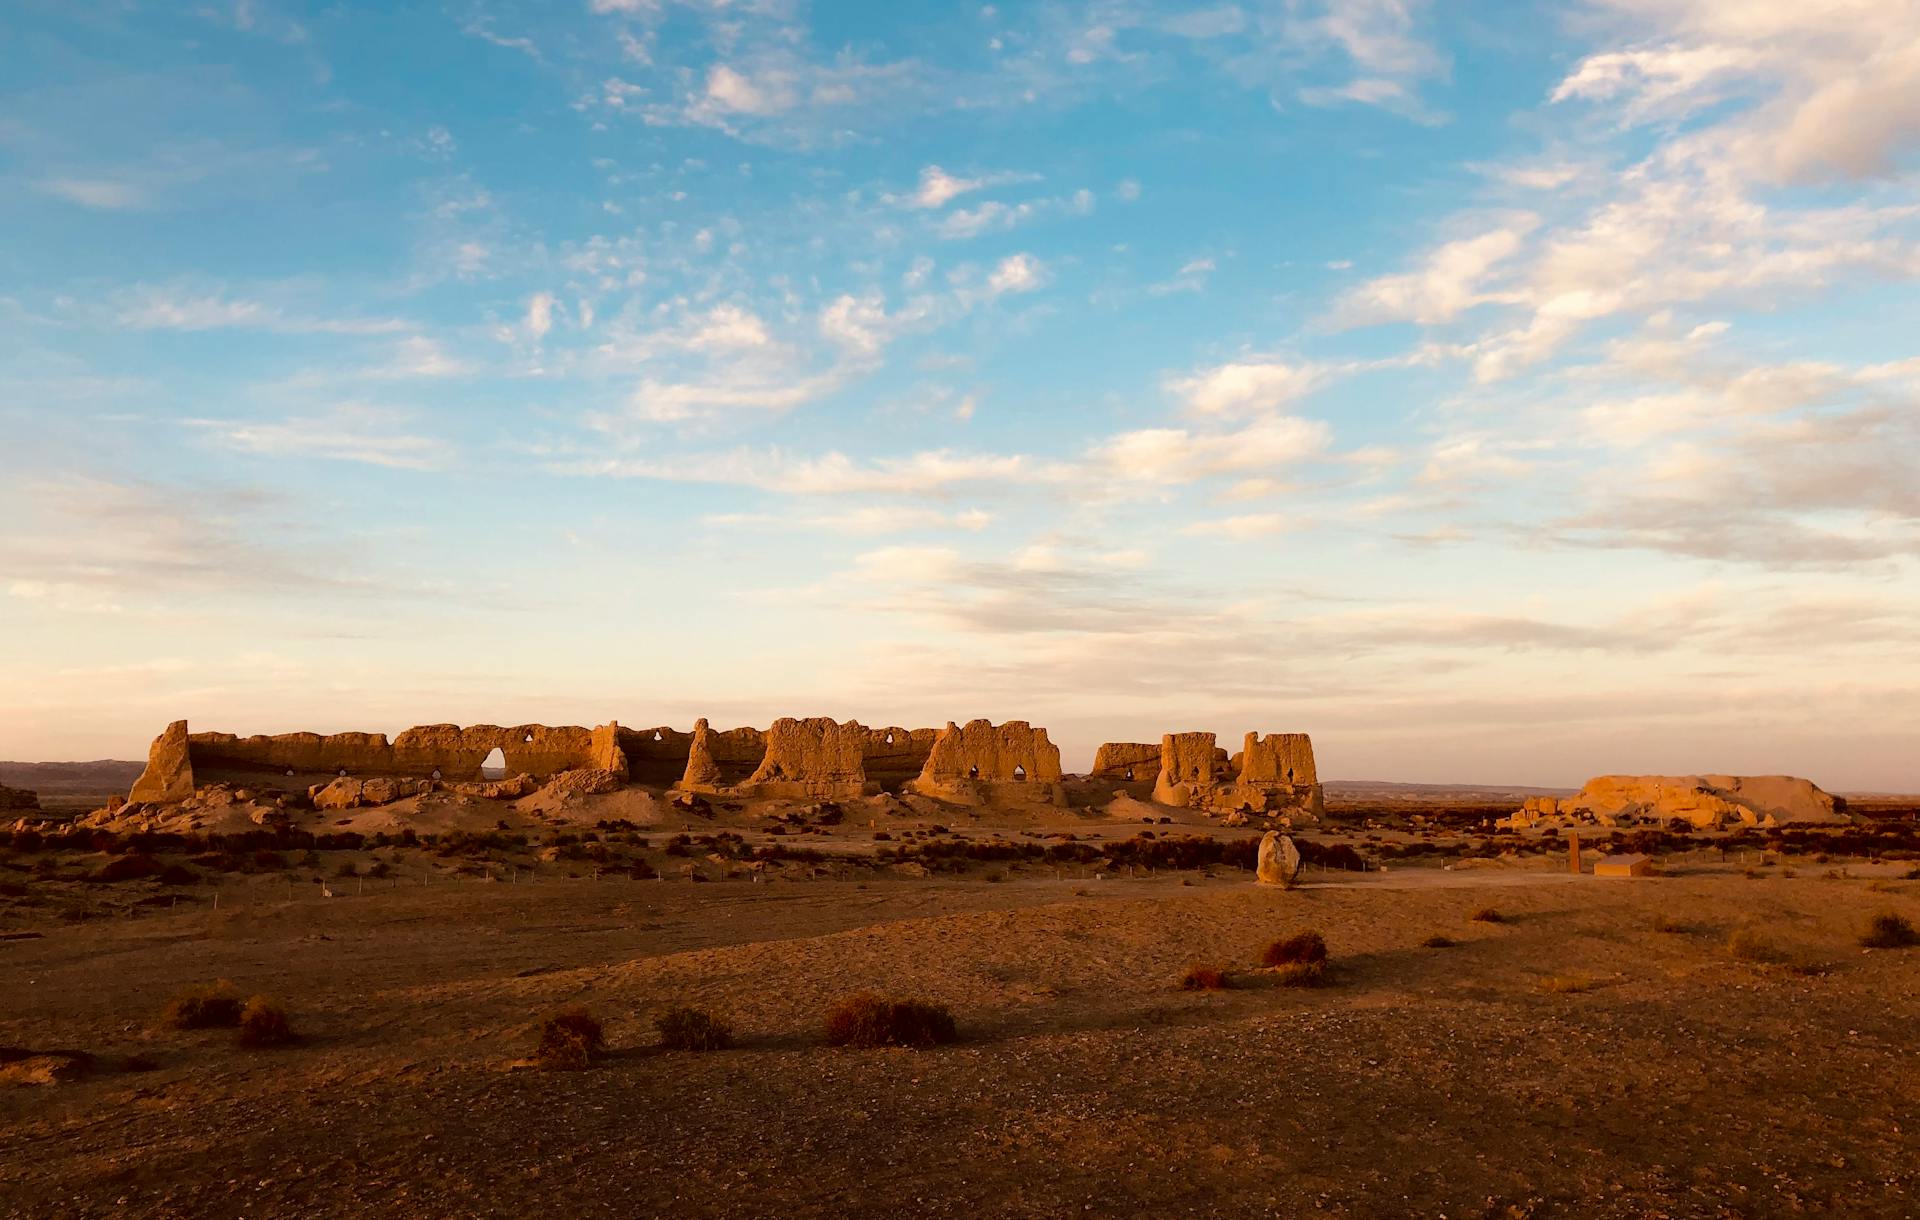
(1499, 392)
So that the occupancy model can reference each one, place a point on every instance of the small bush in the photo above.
(264, 1023)
(1889, 931)
(693, 1029)
(1301, 974)
(1204, 978)
(1438, 942)
(1663, 923)
(1309, 948)
(1753, 945)
(208, 1006)
(1487, 915)
(868, 1020)
(569, 1038)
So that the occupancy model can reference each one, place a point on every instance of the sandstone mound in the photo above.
(1706, 802)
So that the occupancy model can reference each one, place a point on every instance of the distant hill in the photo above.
(72, 779)
(1389, 790)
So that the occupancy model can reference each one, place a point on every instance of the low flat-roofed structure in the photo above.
(1624, 866)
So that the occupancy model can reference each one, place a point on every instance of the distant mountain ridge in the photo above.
(71, 778)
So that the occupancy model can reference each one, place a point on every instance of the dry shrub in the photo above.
(1889, 931)
(1437, 941)
(1301, 974)
(1302, 948)
(1204, 978)
(206, 1006)
(264, 1023)
(868, 1020)
(1663, 923)
(1566, 984)
(1753, 945)
(569, 1038)
(1487, 915)
(693, 1029)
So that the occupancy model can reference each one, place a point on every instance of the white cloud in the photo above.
(1248, 525)
(103, 194)
(1017, 273)
(539, 319)
(350, 432)
(932, 472)
(146, 308)
(938, 188)
(1167, 456)
(1449, 283)
(1245, 387)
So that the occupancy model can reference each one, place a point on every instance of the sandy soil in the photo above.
(1681, 1082)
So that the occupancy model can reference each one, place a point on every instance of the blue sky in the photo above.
(1495, 391)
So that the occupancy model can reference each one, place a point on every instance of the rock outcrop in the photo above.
(346, 792)
(169, 774)
(1705, 802)
(985, 762)
(702, 772)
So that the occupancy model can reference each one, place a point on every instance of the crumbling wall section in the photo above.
(895, 756)
(989, 762)
(815, 757)
(1282, 758)
(1128, 761)
(657, 756)
(1190, 766)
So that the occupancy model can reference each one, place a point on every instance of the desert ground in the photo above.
(1607, 1048)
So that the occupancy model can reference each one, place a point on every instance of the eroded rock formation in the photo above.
(169, 773)
(1706, 802)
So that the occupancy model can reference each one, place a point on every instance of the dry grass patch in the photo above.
(1753, 945)
(868, 1020)
(693, 1029)
(1487, 915)
(1302, 948)
(1437, 941)
(1566, 984)
(569, 1039)
(1889, 931)
(264, 1023)
(1205, 978)
(1668, 925)
(206, 1006)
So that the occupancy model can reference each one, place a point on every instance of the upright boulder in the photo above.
(169, 774)
(1279, 862)
(703, 770)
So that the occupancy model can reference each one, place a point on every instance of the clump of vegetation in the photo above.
(1566, 984)
(1200, 977)
(569, 1039)
(1889, 931)
(868, 1020)
(206, 1006)
(1664, 923)
(1487, 915)
(1753, 945)
(1301, 974)
(1437, 941)
(1307, 948)
(264, 1023)
(693, 1029)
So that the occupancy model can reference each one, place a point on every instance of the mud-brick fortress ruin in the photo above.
(978, 763)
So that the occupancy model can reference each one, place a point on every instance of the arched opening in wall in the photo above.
(1129, 774)
(1289, 775)
(1019, 773)
(527, 740)
(436, 773)
(494, 765)
(973, 772)
(1196, 773)
(656, 735)
(889, 738)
